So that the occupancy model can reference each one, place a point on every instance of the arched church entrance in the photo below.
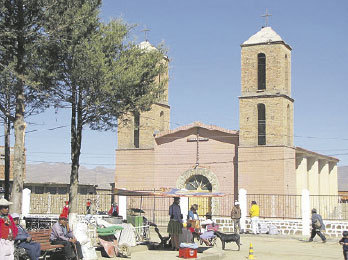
(199, 180)
(199, 183)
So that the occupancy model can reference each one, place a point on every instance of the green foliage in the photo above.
(109, 76)
(22, 65)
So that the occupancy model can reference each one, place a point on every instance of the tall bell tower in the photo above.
(266, 154)
(138, 130)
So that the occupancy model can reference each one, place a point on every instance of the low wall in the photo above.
(286, 226)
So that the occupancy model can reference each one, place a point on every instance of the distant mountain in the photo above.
(60, 173)
(342, 173)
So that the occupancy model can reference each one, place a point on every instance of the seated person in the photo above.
(113, 211)
(62, 235)
(23, 240)
(205, 234)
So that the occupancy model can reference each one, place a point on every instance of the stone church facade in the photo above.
(260, 157)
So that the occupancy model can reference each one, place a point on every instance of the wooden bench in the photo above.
(42, 236)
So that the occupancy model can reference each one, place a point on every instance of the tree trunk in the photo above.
(7, 131)
(76, 137)
(19, 123)
(19, 156)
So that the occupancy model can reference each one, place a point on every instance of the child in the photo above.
(344, 243)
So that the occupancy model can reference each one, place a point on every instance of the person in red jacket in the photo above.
(8, 231)
(113, 210)
(65, 211)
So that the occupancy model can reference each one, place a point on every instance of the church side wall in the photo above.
(135, 169)
(267, 170)
(333, 178)
(301, 174)
(313, 176)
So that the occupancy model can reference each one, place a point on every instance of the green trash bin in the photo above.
(136, 221)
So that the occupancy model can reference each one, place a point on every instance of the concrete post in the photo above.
(242, 198)
(184, 205)
(306, 212)
(122, 206)
(26, 202)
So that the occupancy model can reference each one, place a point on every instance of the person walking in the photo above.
(8, 231)
(235, 216)
(23, 240)
(62, 235)
(175, 223)
(254, 213)
(344, 242)
(317, 226)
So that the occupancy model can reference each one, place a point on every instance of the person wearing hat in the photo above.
(235, 216)
(23, 240)
(175, 223)
(8, 231)
(62, 235)
(317, 226)
(254, 213)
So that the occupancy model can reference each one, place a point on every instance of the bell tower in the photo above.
(138, 129)
(266, 111)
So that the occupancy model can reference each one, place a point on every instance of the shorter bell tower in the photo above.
(137, 130)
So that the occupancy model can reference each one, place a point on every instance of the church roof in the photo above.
(300, 150)
(197, 124)
(265, 35)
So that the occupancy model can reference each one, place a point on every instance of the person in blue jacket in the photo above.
(24, 240)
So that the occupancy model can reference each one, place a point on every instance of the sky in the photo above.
(203, 39)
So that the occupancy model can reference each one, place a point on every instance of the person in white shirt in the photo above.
(206, 235)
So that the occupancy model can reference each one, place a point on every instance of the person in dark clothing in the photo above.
(317, 226)
(62, 235)
(23, 240)
(344, 243)
(175, 224)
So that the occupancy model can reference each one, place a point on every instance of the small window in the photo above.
(51, 190)
(62, 190)
(261, 111)
(261, 75)
(39, 190)
(136, 129)
(83, 190)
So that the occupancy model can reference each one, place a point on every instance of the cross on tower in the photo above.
(145, 32)
(266, 15)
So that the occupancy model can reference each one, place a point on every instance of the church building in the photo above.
(259, 157)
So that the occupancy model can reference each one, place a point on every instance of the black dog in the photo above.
(226, 238)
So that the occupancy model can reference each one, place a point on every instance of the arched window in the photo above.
(198, 182)
(261, 72)
(286, 73)
(136, 129)
(261, 121)
(162, 121)
(288, 125)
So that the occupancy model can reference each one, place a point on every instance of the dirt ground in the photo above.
(265, 247)
(275, 248)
